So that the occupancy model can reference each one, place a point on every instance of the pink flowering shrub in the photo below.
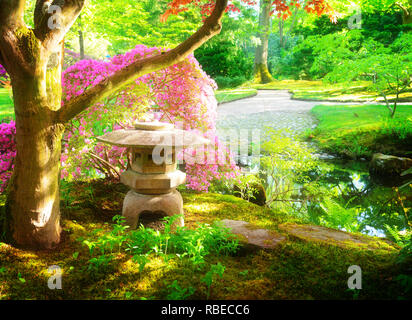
(4, 77)
(7, 152)
(3, 73)
(183, 94)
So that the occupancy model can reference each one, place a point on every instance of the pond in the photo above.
(374, 206)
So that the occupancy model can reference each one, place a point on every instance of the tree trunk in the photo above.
(32, 204)
(261, 70)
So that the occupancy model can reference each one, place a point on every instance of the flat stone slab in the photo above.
(261, 238)
(337, 237)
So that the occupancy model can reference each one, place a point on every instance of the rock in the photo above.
(337, 237)
(259, 194)
(387, 170)
(254, 238)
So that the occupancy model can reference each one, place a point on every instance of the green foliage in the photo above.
(404, 258)
(339, 217)
(286, 161)
(178, 293)
(227, 82)
(184, 243)
(390, 69)
(215, 270)
(115, 26)
(6, 105)
(193, 244)
(246, 186)
(224, 61)
(322, 46)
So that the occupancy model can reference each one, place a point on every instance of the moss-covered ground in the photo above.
(296, 269)
(359, 131)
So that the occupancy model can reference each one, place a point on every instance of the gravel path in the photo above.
(272, 108)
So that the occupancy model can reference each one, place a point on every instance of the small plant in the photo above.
(21, 279)
(100, 263)
(183, 243)
(178, 293)
(355, 293)
(142, 260)
(215, 270)
(246, 186)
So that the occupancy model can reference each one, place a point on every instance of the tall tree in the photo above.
(33, 59)
(261, 70)
(282, 9)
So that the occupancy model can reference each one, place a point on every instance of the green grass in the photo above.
(6, 104)
(319, 91)
(228, 95)
(359, 131)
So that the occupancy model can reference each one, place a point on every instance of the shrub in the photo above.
(226, 82)
(224, 59)
(7, 152)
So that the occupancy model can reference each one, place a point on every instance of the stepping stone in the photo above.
(255, 238)
(337, 237)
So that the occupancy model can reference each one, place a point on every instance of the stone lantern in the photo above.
(152, 173)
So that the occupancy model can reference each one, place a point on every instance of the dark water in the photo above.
(346, 198)
(376, 205)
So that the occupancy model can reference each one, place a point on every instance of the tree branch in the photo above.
(11, 13)
(11, 18)
(53, 18)
(128, 74)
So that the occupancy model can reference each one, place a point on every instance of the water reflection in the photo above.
(352, 202)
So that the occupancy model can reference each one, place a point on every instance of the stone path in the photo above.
(272, 108)
(259, 238)
(336, 237)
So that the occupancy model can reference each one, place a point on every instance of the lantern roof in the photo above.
(152, 134)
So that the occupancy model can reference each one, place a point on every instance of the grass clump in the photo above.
(229, 95)
(360, 131)
(6, 104)
(358, 91)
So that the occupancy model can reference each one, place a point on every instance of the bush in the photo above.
(226, 82)
(224, 59)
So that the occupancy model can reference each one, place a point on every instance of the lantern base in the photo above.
(168, 204)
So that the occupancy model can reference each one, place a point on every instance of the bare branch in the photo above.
(53, 18)
(128, 74)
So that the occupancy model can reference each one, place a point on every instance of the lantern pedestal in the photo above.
(167, 204)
